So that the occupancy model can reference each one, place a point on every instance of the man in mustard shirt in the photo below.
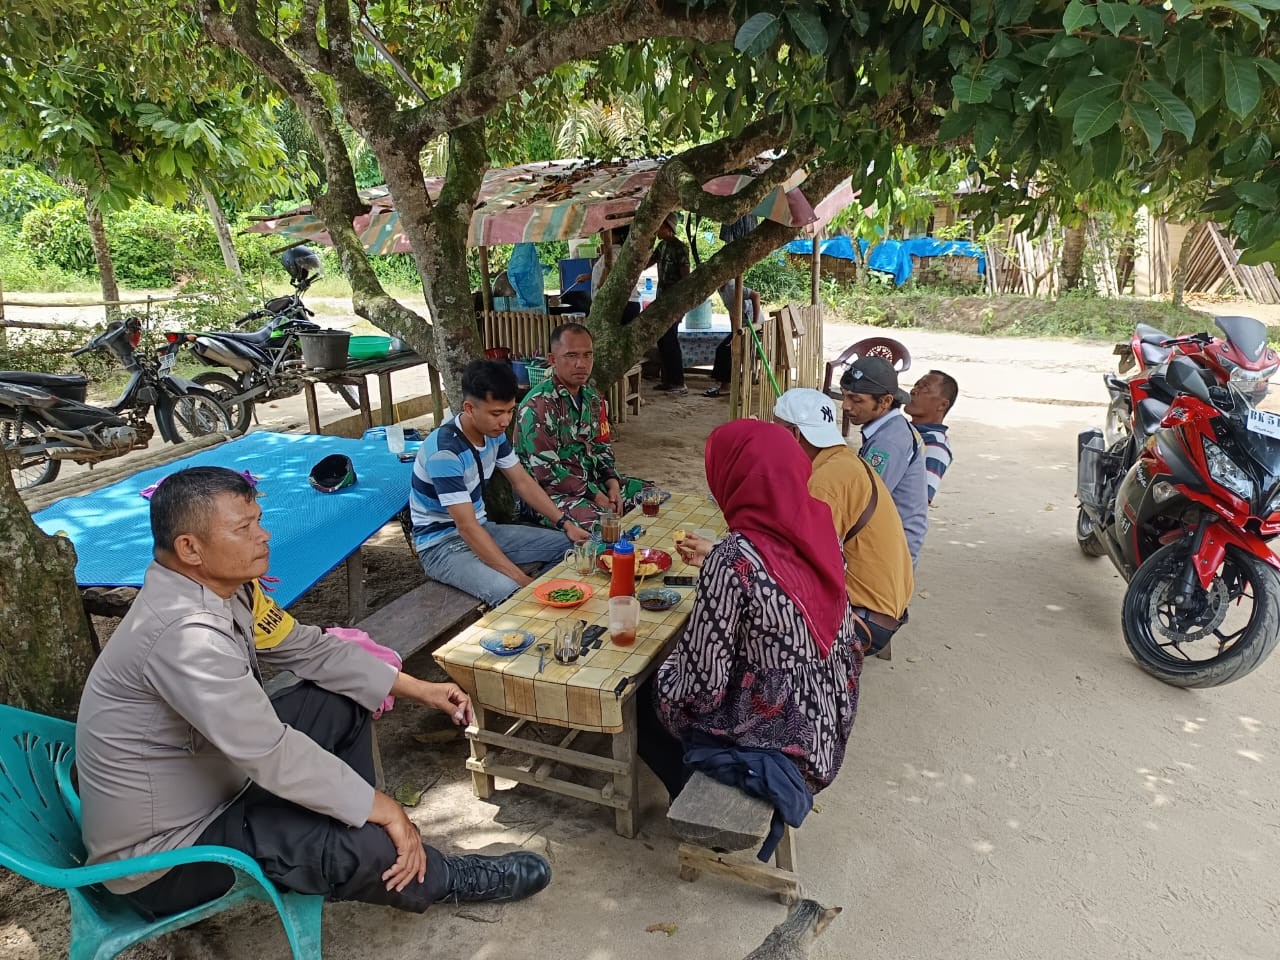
(878, 574)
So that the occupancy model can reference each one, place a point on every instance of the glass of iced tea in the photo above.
(624, 620)
(650, 500)
(610, 527)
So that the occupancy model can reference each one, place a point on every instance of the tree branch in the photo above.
(551, 46)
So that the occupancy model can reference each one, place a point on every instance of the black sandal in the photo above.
(713, 392)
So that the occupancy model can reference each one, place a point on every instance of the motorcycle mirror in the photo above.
(1184, 376)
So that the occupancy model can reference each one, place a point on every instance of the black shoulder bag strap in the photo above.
(863, 520)
(484, 490)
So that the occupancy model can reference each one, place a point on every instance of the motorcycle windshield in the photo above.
(1247, 334)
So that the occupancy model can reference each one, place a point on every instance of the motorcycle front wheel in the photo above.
(34, 468)
(196, 413)
(1219, 635)
(225, 388)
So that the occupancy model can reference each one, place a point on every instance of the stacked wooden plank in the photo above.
(1213, 267)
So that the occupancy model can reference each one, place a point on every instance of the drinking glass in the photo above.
(395, 438)
(610, 527)
(568, 639)
(581, 557)
(624, 620)
(650, 500)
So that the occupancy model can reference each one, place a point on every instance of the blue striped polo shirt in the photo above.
(445, 474)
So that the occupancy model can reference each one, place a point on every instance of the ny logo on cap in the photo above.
(827, 415)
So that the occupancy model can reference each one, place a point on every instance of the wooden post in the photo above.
(481, 783)
(815, 271)
(4, 332)
(738, 365)
(626, 786)
(486, 288)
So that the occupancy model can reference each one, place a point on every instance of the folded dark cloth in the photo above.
(768, 774)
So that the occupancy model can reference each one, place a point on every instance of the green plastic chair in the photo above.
(40, 840)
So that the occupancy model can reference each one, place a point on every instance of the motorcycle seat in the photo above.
(1152, 353)
(1149, 414)
(1149, 334)
(71, 386)
(257, 338)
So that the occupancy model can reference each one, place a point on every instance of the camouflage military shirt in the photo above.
(565, 446)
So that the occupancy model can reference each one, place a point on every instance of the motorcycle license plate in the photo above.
(168, 361)
(1267, 424)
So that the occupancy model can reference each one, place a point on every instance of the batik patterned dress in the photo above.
(746, 669)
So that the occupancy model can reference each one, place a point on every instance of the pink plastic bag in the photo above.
(385, 654)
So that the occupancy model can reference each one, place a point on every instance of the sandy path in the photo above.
(1015, 787)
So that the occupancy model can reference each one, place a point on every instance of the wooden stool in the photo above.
(715, 820)
(625, 394)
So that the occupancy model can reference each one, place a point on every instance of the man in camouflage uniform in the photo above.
(562, 433)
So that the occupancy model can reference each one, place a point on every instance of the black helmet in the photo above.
(333, 473)
(300, 263)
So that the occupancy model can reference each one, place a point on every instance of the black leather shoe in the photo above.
(511, 876)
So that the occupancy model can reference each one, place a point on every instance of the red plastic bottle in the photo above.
(623, 581)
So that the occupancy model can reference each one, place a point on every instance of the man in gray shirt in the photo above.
(178, 744)
(890, 444)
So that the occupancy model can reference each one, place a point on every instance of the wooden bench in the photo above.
(624, 396)
(715, 820)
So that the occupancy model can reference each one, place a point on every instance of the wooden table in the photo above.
(356, 375)
(596, 694)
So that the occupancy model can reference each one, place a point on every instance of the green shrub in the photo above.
(212, 300)
(58, 235)
(154, 246)
(777, 281)
(23, 188)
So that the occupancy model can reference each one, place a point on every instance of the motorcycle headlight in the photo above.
(1240, 373)
(1227, 472)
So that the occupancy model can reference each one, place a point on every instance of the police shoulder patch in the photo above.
(879, 459)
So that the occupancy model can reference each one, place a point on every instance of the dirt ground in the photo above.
(1015, 787)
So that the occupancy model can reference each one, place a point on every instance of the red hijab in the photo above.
(759, 477)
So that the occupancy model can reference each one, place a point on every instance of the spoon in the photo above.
(542, 655)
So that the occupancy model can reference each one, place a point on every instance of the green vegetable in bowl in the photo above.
(565, 595)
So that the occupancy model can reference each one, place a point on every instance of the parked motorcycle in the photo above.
(1241, 356)
(1184, 509)
(266, 363)
(44, 419)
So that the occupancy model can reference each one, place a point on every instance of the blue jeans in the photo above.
(450, 560)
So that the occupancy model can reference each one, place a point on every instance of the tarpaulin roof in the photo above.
(557, 200)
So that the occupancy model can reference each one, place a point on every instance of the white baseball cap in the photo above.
(814, 413)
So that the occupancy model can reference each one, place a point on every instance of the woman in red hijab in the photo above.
(770, 658)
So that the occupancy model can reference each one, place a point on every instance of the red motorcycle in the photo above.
(1240, 357)
(1184, 508)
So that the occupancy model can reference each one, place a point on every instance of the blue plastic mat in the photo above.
(311, 532)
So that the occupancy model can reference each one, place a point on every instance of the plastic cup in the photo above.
(624, 620)
(395, 439)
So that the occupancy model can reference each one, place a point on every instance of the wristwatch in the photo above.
(563, 521)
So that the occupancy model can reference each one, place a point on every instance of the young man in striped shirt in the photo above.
(932, 398)
(456, 541)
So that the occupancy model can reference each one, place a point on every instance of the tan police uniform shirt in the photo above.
(877, 562)
(174, 722)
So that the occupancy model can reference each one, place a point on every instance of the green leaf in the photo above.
(972, 89)
(1261, 254)
(1259, 153)
(1149, 119)
(809, 30)
(1203, 81)
(1270, 67)
(1108, 152)
(1259, 194)
(1182, 8)
(1248, 10)
(957, 123)
(1241, 84)
(1114, 16)
(757, 33)
(1150, 22)
(1077, 15)
(1084, 90)
(1067, 47)
(1175, 114)
(1096, 117)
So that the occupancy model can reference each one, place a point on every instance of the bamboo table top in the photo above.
(579, 695)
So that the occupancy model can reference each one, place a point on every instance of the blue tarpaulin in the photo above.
(894, 256)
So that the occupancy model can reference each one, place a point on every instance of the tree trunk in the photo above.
(106, 266)
(46, 654)
(1180, 268)
(1073, 256)
(229, 256)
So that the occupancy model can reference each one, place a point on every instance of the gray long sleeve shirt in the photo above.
(174, 722)
(896, 452)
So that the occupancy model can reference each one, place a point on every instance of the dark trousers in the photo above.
(661, 752)
(671, 357)
(299, 849)
(880, 636)
(722, 369)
